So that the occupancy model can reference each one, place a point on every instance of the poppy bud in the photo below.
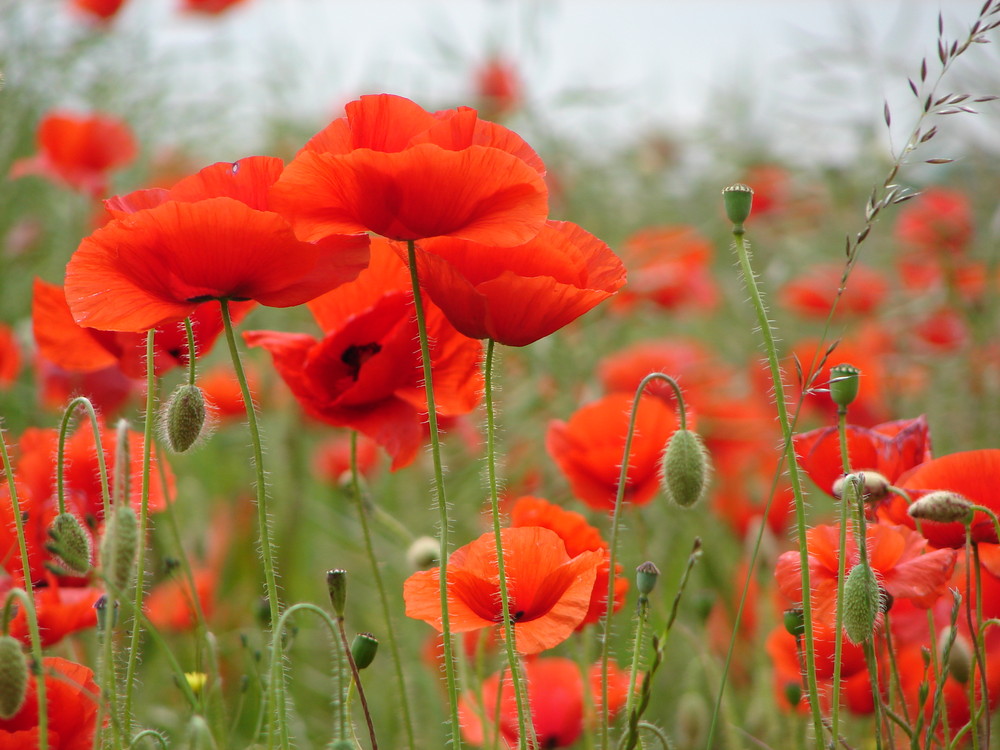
(101, 607)
(959, 656)
(363, 649)
(424, 553)
(118, 547)
(184, 417)
(844, 383)
(70, 544)
(941, 506)
(862, 603)
(645, 578)
(685, 469)
(13, 676)
(336, 584)
(876, 486)
(793, 693)
(738, 200)
(794, 620)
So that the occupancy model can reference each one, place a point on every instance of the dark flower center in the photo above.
(356, 355)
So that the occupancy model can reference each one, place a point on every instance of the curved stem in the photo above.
(442, 501)
(101, 465)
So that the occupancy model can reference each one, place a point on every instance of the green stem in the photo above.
(640, 625)
(383, 599)
(28, 600)
(838, 633)
(794, 476)
(442, 501)
(357, 683)
(192, 352)
(101, 465)
(276, 681)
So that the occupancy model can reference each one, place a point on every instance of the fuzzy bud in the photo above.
(862, 603)
(336, 584)
(363, 649)
(101, 607)
(959, 655)
(424, 553)
(844, 383)
(875, 486)
(645, 578)
(13, 676)
(941, 506)
(184, 418)
(738, 200)
(118, 547)
(70, 544)
(685, 469)
(794, 620)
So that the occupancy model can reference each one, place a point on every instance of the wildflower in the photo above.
(208, 7)
(812, 293)
(10, 356)
(938, 222)
(100, 10)
(72, 699)
(499, 88)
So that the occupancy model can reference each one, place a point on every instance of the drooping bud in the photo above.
(794, 620)
(363, 649)
(862, 603)
(424, 553)
(70, 544)
(645, 578)
(119, 546)
(738, 200)
(184, 417)
(686, 469)
(959, 656)
(844, 384)
(875, 485)
(13, 676)
(336, 584)
(941, 506)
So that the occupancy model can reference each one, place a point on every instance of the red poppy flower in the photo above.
(973, 474)
(589, 448)
(938, 221)
(740, 500)
(366, 373)
(208, 7)
(517, 295)
(213, 239)
(941, 330)
(578, 536)
(897, 554)
(772, 188)
(79, 150)
(549, 590)
(223, 395)
(888, 449)
(72, 699)
(555, 692)
(332, 459)
(499, 88)
(103, 10)
(61, 611)
(392, 168)
(108, 389)
(170, 605)
(669, 266)
(812, 294)
(10, 356)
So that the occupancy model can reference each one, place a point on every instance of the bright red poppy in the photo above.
(10, 356)
(772, 189)
(208, 7)
(887, 449)
(812, 293)
(589, 448)
(556, 695)
(222, 392)
(60, 610)
(549, 590)
(170, 604)
(72, 699)
(392, 168)
(499, 87)
(213, 238)
(332, 458)
(102, 10)
(108, 389)
(517, 295)
(366, 373)
(938, 222)
(79, 150)
(578, 536)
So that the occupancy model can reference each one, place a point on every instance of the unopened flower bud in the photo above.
(738, 200)
(862, 603)
(793, 693)
(875, 486)
(101, 607)
(184, 417)
(645, 578)
(424, 553)
(941, 506)
(685, 469)
(844, 383)
(363, 649)
(118, 547)
(794, 620)
(336, 584)
(13, 676)
(959, 656)
(70, 544)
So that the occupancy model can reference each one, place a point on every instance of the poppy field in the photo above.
(424, 426)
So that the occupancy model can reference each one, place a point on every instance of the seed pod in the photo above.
(844, 383)
(862, 603)
(794, 621)
(336, 584)
(70, 544)
(424, 553)
(738, 200)
(363, 649)
(645, 577)
(118, 547)
(184, 418)
(685, 469)
(13, 676)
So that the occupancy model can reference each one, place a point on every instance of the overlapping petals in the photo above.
(72, 699)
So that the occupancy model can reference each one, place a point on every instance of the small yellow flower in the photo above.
(196, 681)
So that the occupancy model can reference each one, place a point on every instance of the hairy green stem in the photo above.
(838, 632)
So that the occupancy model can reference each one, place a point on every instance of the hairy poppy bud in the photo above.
(959, 656)
(13, 676)
(101, 607)
(862, 603)
(844, 383)
(70, 544)
(875, 486)
(424, 553)
(336, 584)
(941, 506)
(184, 419)
(793, 693)
(738, 200)
(363, 649)
(645, 577)
(118, 547)
(685, 469)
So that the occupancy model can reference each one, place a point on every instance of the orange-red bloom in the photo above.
(61, 610)
(79, 150)
(578, 536)
(214, 237)
(365, 373)
(71, 699)
(938, 221)
(10, 356)
(669, 266)
(556, 696)
(549, 590)
(517, 295)
(812, 294)
(392, 168)
(499, 88)
(208, 7)
(590, 446)
(101, 10)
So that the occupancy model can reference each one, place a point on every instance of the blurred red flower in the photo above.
(938, 221)
(578, 536)
(669, 266)
(79, 150)
(772, 188)
(549, 590)
(556, 695)
(108, 389)
(394, 169)
(365, 373)
(61, 610)
(812, 293)
(589, 448)
(208, 7)
(517, 295)
(71, 698)
(102, 10)
(332, 458)
(10, 356)
(213, 237)
(499, 87)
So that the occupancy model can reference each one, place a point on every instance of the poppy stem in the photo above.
(192, 352)
(442, 502)
(523, 711)
(276, 680)
(397, 662)
(794, 476)
(28, 601)
(838, 627)
(60, 456)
